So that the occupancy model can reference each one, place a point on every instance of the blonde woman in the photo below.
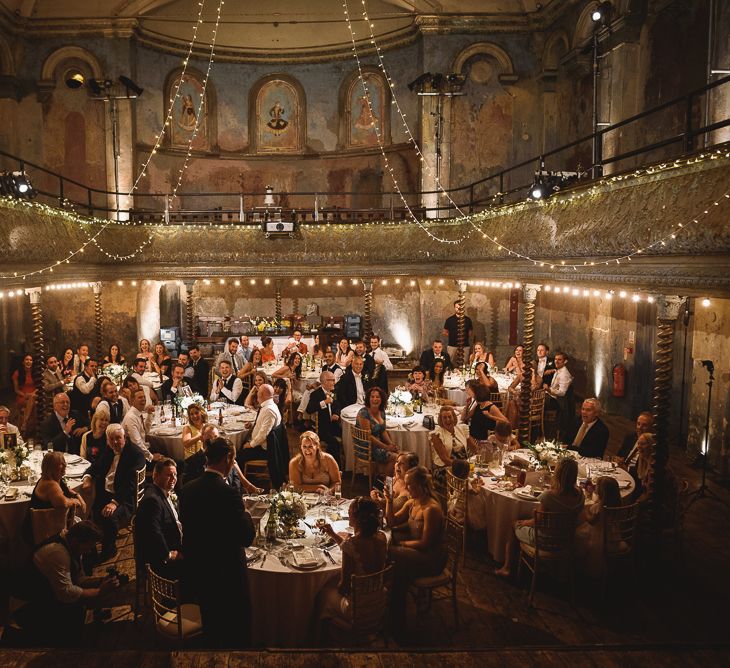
(51, 491)
(145, 351)
(480, 354)
(252, 400)
(93, 442)
(313, 470)
(192, 433)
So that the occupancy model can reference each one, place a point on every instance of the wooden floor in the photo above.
(673, 613)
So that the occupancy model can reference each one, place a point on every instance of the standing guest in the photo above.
(136, 424)
(114, 476)
(227, 388)
(644, 425)
(82, 354)
(481, 354)
(267, 349)
(53, 379)
(232, 355)
(267, 418)
(313, 470)
(172, 387)
(545, 365)
(589, 435)
(145, 352)
(344, 354)
(560, 394)
(93, 442)
(246, 349)
(252, 400)
(361, 350)
(351, 388)
(157, 527)
(324, 403)
(114, 405)
(435, 352)
(25, 390)
(6, 427)
(144, 383)
(372, 418)
(331, 365)
(420, 385)
(515, 363)
(192, 433)
(379, 355)
(184, 359)
(114, 356)
(451, 329)
(216, 529)
(67, 362)
(161, 361)
(199, 380)
(60, 427)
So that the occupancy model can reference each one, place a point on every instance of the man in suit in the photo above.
(199, 378)
(351, 387)
(589, 435)
(53, 380)
(84, 390)
(216, 529)
(545, 365)
(60, 429)
(173, 385)
(157, 528)
(228, 388)
(113, 404)
(246, 349)
(145, 384)
(231, 355)
(324, 403)
(296, 345)
(435, 352)
(137, 423)
(267, 418)
(559, 394)
(114, 476)
(331, 365)
(644, 425)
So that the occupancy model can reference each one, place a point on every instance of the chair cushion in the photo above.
(443, 579)
(530, 551)
(191, 621)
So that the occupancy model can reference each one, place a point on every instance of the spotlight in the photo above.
(602, 13)
(538, 189)
(131, 86)
(16, 184)
(548, 183)
(421, 82)
(75, 79)
(97, 87)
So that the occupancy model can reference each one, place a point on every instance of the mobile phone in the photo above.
(389, 485)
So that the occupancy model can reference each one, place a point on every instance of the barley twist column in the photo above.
(189, 317)
(277, 302)
(295, 305)
(529, 293)
(460, 325)
(39, 351)
(367, 325)
(98, 321)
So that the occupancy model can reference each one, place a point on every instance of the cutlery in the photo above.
(263, 561)
(329, 556)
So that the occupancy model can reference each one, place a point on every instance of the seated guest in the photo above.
(60, 429)
(562, 497)
(56, 615)
(114, 476)
(514, 395)
(449, 441)
(249, 369)
(372, 418)
(420, 386)
(589, 435)
(295, 344)
(350, 389)
(145, 383)
(404, 463)
(291, 371)
(643, 471)
(79, 359)
(84, 390)
(515, 363)
(324, 403)
(199, 379)
(93, 442)
(344, 355)
(331, 365)
(252, 400)
(436, 378)
(644, 425)
(503, 437)
(267, 349)
(115, 406)
(482, 415)
(232, 355)
(589, 534)
(282, 395)
(422, 551)
(227, 388)
(216, 529)
(245, 348)
(192, 433)
(6, 427)
(157, 528)
(161, 360)
(267, 418)
(435, 352)
(114, 356)
(313, 470)
(364, 553)
(172, 387)
(545, 365)
(144, 351)
(53, 378)
(137, 423)
(559, 392)
(66, 362)
(480, 354)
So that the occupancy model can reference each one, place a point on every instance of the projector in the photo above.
(274, 228)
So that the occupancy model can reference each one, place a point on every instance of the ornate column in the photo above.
(460, 333)
(98, 321)
(189, 330)
(277, 301)
(529, 294)
(295, 304)
(367, 325)
(39, 351)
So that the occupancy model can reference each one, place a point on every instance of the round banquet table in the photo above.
(408, 433)
(454, 386)
(497, 509)
(164, 437)
(12, 513)
(278, 588)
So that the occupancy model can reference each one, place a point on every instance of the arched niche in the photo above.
(488, 50)
(188, 116)
(360, 122)
(556, 46)
(277, 115)
(67, 57)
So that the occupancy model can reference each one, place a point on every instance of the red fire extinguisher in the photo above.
(619, 380)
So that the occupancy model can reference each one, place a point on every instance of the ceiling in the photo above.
(293, 26)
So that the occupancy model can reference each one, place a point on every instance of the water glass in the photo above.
(337, 489)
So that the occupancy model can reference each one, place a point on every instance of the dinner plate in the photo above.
(306, 567)
(527, 496)
(73, 459)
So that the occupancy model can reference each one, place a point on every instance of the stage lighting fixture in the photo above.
(421, 81)
(602, 12)
(548, 183)
(16, 184)
(131, 86)
(97, 87)
(75, 79)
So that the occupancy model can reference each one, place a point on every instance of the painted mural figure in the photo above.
(277, 124)
(187, 114)
(367, 120)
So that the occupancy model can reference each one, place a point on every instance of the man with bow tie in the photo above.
(323, 402)
(112, 403)
(198, 380)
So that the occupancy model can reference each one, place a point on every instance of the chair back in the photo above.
(456, 499)
(165, 603)
(277, 455)
(454, 538)
(537, 405)
(619, 529)
(140, 486)
(499, 398)
(369, 595)
(361, 445)
(47, 522)
(554, 532)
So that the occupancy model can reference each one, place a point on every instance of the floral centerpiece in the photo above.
(548, 453)
(288, 507)
(186, 401)
(400, 403)
(13, 458)
(116, 373)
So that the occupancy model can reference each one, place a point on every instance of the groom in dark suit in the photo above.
(157, 529)
(216, 529)
(325, 404)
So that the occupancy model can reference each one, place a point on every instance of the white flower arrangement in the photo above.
(20, 452)
(116, 373)
(548, 453)
(186, 402)
(400, 403)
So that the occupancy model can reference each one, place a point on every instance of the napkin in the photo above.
(305, 558)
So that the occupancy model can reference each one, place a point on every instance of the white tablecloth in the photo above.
(299, 384)
(454, 386)
(497, 510)
(164, 437)
(12, 513)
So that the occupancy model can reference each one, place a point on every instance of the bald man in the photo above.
(324, 403)
(267, 418)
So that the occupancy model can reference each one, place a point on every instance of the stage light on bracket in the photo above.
(602, 13)
(16, 184)
(74, 79)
